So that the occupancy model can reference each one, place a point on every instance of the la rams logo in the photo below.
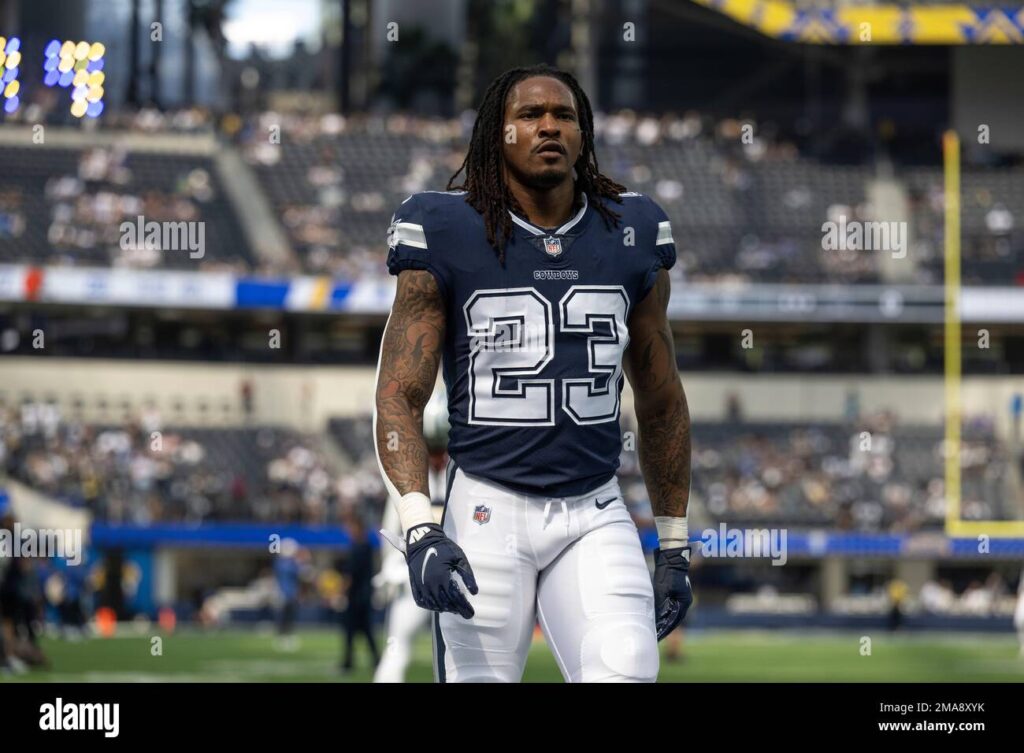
(481, 514)
(553, 246)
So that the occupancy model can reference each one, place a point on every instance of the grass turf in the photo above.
(739, 656)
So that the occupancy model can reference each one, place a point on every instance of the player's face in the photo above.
(541, 138)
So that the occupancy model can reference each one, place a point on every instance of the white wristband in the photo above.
(672, 532)
(413, 510)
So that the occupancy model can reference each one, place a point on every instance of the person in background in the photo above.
(72, 609)
(247, 399)
(897, 596)
(20, 605)
(733, 408)
(357, 567)
(851, 406)
(288, 576)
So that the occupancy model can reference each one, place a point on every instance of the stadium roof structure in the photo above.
(879, 24)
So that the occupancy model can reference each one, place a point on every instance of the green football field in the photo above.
(744, 656)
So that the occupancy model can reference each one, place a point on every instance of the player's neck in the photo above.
(548, 208)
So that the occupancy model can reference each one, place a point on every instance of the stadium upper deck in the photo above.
(744, 208)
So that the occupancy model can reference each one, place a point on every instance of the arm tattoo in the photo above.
(663, 416)
(664, 447)
(409, 358)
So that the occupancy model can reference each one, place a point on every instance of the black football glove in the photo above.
(672, 592)
(433, 558)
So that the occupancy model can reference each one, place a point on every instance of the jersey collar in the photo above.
(534, 230)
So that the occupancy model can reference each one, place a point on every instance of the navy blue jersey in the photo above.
(533, 349)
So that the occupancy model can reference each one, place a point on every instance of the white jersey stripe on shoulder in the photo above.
(409, 234)
(664, 233)
(628, 194)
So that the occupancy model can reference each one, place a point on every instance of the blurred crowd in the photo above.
(867, 475)
(746, 204)
(87, 208)
(980, 597)
(142, 473)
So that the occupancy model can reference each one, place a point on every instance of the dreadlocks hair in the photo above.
(484, 182)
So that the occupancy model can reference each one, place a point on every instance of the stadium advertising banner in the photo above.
(697, 301)
(119, 287)
(882, 23)
(12, 282)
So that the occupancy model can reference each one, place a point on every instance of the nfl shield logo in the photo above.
(481, 514)
(553, 246)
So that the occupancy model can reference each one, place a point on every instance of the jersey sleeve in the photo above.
(408, 242)
(664, 252)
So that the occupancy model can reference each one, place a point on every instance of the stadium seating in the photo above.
(129, 474)
(740, 211)
(807, 475)
(871, 476)
(752, 214)
(65, 206)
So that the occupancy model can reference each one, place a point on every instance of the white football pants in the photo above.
(573, 563)
(405, 619)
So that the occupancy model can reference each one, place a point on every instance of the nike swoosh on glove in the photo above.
(433, 558)
(672, 592)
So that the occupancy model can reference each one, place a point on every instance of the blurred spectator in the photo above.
(937, 597)
(246, 390)
(733, 408)
(21, 599)
(897, 590)
(289, 566)
(358, 566)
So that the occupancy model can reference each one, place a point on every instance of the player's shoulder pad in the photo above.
(638, 207)
(423, 214)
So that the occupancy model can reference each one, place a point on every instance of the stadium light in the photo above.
(10, 61)
(78, 66)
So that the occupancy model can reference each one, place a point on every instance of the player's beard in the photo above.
(542, 180)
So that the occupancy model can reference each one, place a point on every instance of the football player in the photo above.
(543, 283)
(405, 617)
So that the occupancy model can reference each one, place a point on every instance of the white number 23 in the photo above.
(512, 341)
